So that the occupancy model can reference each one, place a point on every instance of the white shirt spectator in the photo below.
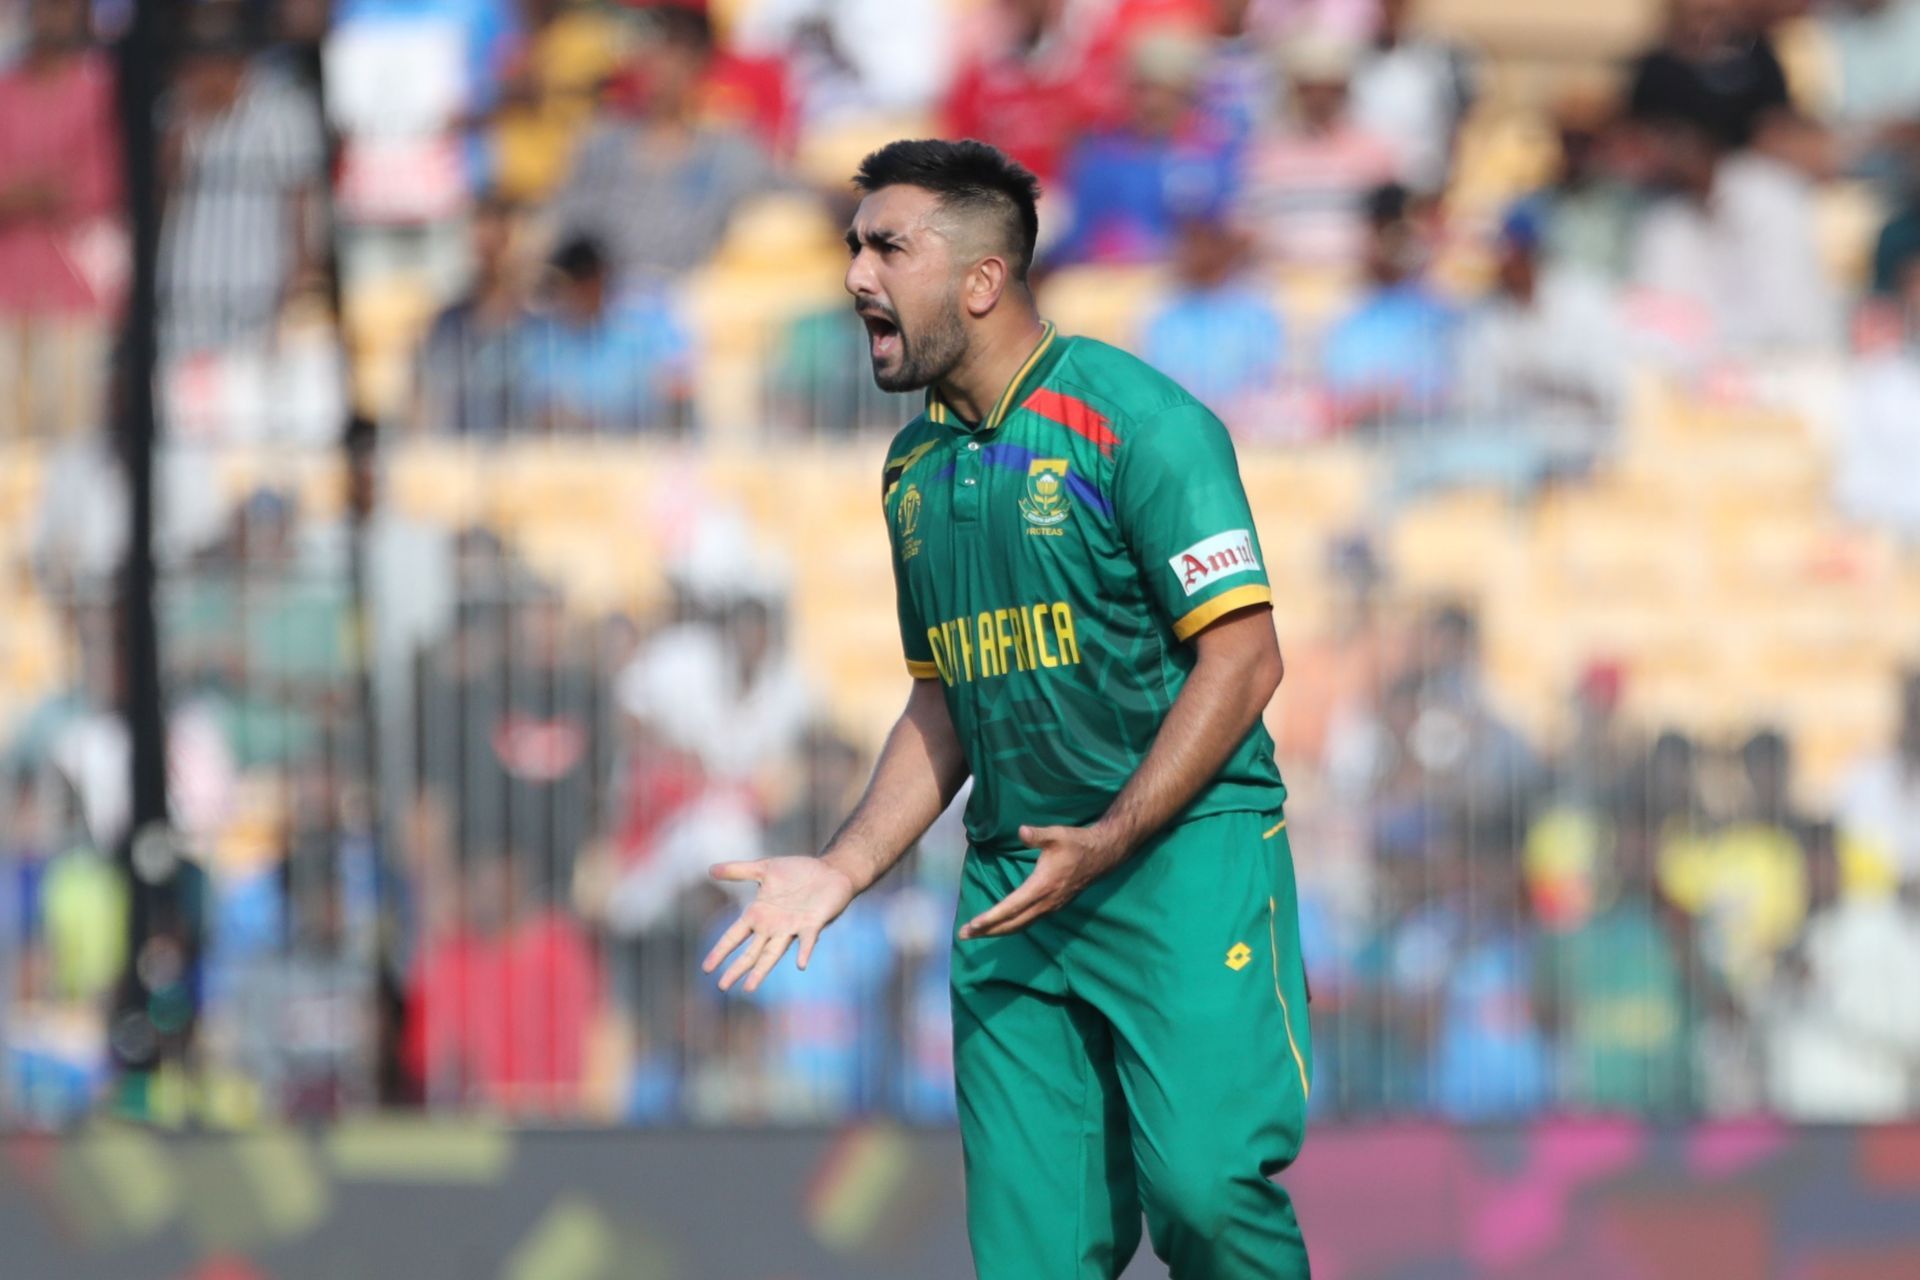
(1877, 450)
(686, 685)
(1876, 45)
(1555, 360)
(1413, 96)
(1879, 808)
(853, 57)
(1748, 257)
(1845, 1044)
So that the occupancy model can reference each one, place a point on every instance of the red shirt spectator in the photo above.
(503, 1014)
(1030, 83)
(59, 169)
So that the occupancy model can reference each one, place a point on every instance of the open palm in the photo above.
(798, 897)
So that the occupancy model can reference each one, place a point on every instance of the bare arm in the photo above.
(1239, 668)
(919, 771)
(1237, 671)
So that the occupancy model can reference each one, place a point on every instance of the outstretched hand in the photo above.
(798, 897)
(1071, 858)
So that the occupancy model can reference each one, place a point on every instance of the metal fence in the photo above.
(452, 741)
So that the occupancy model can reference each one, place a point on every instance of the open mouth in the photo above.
(883, 336)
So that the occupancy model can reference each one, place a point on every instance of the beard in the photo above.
(930, 355)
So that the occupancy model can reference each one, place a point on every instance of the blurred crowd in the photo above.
(445, 829)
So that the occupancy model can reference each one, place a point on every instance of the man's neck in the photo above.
(977, 383)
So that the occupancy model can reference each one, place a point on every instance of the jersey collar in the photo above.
(1032, 371)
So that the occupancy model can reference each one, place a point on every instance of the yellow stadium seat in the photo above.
(1104, 302)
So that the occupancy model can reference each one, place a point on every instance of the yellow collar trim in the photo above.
(938, 412)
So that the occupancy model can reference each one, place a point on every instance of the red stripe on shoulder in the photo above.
(1076, 416)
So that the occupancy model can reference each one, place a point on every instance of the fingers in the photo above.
(1031, 891)
(1017, 922)
(769, 957)
(744, 961)
(735, 935)
(1035, 837)
(807, 938)
(737, 870)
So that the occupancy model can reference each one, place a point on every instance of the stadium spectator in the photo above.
(1481, 764)
(244, 161)
(1027, 82)
(826, 1030)
(1315, 722)
(1489, 1056)
(1734, 241)
(501, 1005)
(1746, 881)
(1579, 809)
(1389, 362)
(452, 51)
(1897, 248)
(657, 189)
(1712, 70)
(1131, 186)
(1412, 90)
(1543, 379)
(1874, 46)
(518, 744)
(549, 89)
(1879, 799)
(1843, 1035)
(600, 363)
(79, 533)
(1614, 993)
(262, 644)
(1875, 449)
(1588, 210)
(818, 385)
(468, 377)
(849, 60)
(302, 1020)
(59, 236)
(1240, 86)
(1216, 333)
(1309, 175)
(725, 687)
(1385, 1015)
(407, 82)
(1354, 21)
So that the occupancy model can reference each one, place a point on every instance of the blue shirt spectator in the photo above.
(827, 1035)
(1215, 334)
(1391, 358)
(594, 364)
(1490, 1059)
(1131, 187)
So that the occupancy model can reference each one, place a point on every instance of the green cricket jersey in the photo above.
(1051, 562)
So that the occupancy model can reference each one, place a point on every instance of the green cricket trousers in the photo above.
(1144, 1047)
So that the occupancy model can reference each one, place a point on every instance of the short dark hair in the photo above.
(580, 258)
(976, 179)
(1387, 204)
(681, 24)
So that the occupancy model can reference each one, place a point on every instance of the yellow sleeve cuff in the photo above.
(1196, 620)
(922, 670)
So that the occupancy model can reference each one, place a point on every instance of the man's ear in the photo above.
(986, 281)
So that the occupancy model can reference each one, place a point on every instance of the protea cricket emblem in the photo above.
(1046, 503)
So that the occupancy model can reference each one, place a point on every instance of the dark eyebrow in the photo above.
(878, 238)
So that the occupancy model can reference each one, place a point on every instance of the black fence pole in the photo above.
(137, 1038)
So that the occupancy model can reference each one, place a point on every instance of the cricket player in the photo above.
(1087, 621)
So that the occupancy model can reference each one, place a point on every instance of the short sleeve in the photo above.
(1184, 514)
(914, 642)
